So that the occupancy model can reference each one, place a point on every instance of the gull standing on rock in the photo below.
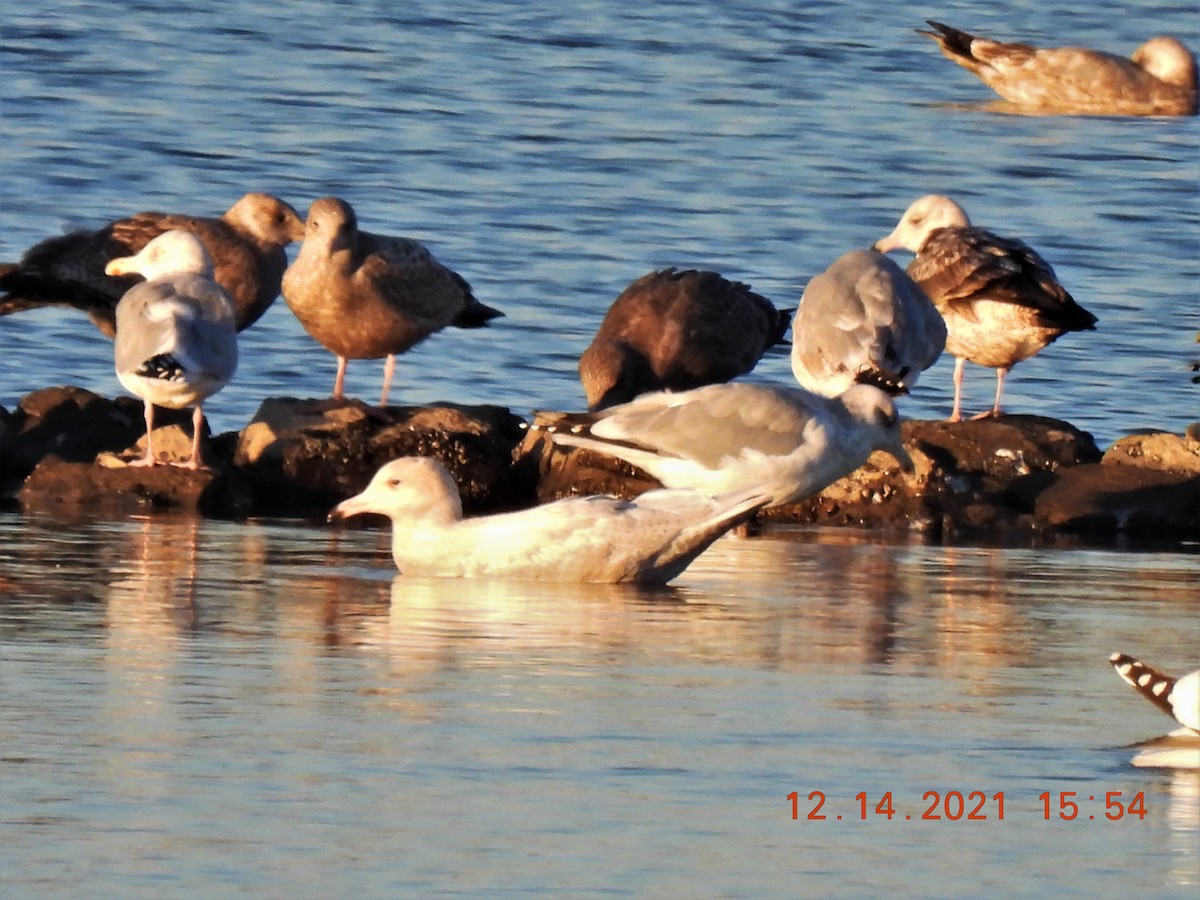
(649, 540)
(366, 296)
(724, 438)
(246, 246)
(1001, 301)
(176, 342)
(1158, 80)
(676, 330)
(1178, 698)
(863, 320)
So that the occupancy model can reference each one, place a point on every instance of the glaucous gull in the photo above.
(675, 330)
(863, 320)
(1158, 80)
(367, 296)
(176, 341)
(1001, 301)
(723, 438)
(649, 540)
(246, 246)
(1179, 698)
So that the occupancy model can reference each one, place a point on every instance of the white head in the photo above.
(171, 253)
(1167, 60)
(409, 487)
(875, 409)
(925, 216)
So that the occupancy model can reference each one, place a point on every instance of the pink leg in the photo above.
(994, 412)
(1001, 374)
(956, 413)
(339, 383)
(197, 426)
(148, 457)
(389, 369)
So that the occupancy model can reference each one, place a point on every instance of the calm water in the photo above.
(260, 709)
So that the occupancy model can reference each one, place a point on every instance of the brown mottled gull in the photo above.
(366, 296)
(246, 246)
(1158, 80)
(176, 343)
(1001, 301)
(1178, 698)
(649, 540)
(863, 320)
(675, 330)
(723, 438)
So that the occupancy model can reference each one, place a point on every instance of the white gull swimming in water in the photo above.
(723, 438)
(1001, 301)
(863, 320)
(649, 540)
(1159, 79)
(176, 340)
(1177, 697)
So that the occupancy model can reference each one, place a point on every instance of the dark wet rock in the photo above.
(1122, 499)
(1157, 450)
(1012, 480)
(59, 485)
(306, 455)
(72, 424)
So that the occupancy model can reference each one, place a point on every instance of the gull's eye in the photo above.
(393, 482)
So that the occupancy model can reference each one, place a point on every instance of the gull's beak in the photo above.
(117, 266)
(354, 506)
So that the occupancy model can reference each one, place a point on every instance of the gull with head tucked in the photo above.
(1001, 301)
(176, 341)
(722, 438)
(863, 320)
(1159, 79)
(649, 540)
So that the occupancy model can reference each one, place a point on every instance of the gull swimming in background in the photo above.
(863, 320)
(176, 342)
(246, 246)
(1159, 79)
(366, 296)
(1001, 301)
(1177, 697)
(649, 540)
(676, 330)
(724, 438)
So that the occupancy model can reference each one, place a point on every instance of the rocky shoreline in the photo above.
(1016, 480)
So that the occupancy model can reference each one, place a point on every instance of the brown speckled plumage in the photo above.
(1159, 79)
(366, 296)
(1001, 301)
(246, 246)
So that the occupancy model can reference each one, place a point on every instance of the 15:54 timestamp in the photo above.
(974, 806)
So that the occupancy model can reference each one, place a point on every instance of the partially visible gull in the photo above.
(366, 296)
(863, 320)
(675, 330)
(649, 540)
(1158, 80)
(176, 343)
(724, 438)
(1001, 301)
(1177, 697)
(246, 246)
